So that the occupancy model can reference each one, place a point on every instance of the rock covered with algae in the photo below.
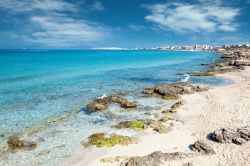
(100, 140)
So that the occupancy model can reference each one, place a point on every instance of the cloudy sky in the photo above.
(122, 23)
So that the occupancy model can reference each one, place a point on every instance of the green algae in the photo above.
(156, 115)
(99, 140)
(164, 119)
(135, 125)
(170, 97)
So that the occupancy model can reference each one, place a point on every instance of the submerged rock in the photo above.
(16, 144)
(135, 125)
(202, 147)
(226, 135)
(94, 106)
(101, 104)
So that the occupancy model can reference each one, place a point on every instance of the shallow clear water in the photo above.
(38, 86)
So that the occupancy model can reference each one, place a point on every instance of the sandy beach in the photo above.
(203, 112)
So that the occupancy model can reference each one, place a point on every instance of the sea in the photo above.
(44, 93)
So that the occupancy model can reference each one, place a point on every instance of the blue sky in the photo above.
(36, 24)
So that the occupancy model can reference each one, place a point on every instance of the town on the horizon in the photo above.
(178, 47)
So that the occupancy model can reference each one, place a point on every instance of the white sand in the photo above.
(227, 106)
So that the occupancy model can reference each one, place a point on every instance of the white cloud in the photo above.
(64, 31)
(54, 23)
(98, 6)
(17, 6)
(183, 17)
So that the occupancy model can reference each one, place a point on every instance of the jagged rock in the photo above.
(155, 159)
(100, 104)
(94, 106)
(244, 132)
(202, 147)
(15, 144)
(127, 105)
(236, 54)
(239, 62)
(226, 135)
(172, 89)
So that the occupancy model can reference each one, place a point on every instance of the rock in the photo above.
(94, 106)
(226, 135)
(155, 159)
(15, 144)
(239, 63)
(100, 140)
(244, 132)
(158, 126)
(135, 125)
(128, 105)
(162, 129)
(173, 89)
(236, 54)
(174, 107)
(100, 104)
(202, 147)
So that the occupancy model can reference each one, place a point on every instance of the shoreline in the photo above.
(92, 155)
(197, 110)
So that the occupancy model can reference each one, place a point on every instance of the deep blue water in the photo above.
(38, 85)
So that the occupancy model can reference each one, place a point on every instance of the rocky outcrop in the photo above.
(155, 159)
(16, 144)
(202, 147)
(236, 57)
(236, 54)
(100, 104)
(226, 135)
(239, 63)
(173, 89)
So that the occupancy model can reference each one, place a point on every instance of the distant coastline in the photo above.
(179, 48)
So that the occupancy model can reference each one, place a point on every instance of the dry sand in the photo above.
(227, 106)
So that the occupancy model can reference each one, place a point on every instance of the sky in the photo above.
(80, 24)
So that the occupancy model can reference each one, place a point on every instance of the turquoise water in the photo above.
(38, 86)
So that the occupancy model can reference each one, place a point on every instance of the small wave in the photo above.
(186, 78)
(103, 96)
